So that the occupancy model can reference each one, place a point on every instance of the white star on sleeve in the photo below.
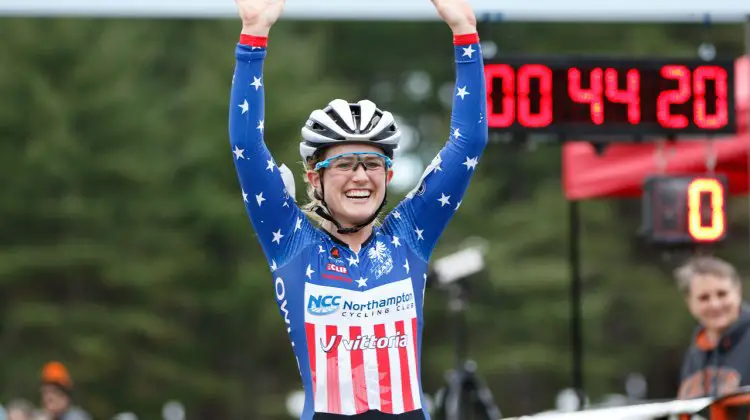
(244, 106)
(309, 272)
(277, 237)
(468, 51)
(244, 196)
(436, 161)
(419, 233)
(353, 261)
(270, 165)
(471, 163)
(256, 82)
(298, 224)
(396, 214)
(362, 282)
(462, 92)
(396, 242)
(406, 266)
(444, 200)
(260, 125)
(259, 198)
(238, 153)
(456, 133)
(273, 265)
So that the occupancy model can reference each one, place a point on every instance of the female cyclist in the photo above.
(350, 289)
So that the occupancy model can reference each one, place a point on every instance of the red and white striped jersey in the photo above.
(362, 348)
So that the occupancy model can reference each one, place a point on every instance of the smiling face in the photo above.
(353, 191)
(714, 301)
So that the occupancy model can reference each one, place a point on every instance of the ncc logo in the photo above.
(323, 304)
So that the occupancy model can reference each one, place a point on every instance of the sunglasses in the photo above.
(345, 162)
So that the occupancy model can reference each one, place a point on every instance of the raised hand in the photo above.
(457, 14)
(259, 15)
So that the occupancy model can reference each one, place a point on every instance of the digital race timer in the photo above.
(577, 96)
(685, 209)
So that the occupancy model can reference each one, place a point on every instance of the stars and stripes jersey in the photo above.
(355, 318)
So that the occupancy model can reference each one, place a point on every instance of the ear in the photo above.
(313, 178)
(389, 177)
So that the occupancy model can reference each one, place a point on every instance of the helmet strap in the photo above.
(324, 212)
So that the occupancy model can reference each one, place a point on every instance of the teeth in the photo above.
(358, 194)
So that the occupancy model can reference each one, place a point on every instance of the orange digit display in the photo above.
(717, 226)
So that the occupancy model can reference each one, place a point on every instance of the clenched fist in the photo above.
(259, 15)
(457, 14)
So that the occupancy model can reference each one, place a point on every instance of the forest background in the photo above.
(125, 251)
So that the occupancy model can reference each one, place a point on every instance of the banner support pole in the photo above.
(576, 333)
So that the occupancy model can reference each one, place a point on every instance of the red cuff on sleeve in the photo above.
(466, 39)
(254, 41)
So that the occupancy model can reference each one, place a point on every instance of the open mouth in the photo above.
(358, 195)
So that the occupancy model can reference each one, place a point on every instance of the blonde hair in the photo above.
(704, 266)
(313, 198)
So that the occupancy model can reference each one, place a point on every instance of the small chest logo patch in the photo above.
(336, 268)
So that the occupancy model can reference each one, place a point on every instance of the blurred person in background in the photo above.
(56, 390)
(718, 359)
(350, 290)
(20, 409)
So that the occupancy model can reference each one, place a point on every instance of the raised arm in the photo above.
(424, 214)
(280, 225)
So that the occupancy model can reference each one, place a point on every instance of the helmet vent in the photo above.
(373, 122)
(357, 116)
(339, 121)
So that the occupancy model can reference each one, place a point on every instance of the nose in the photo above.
(714, 302)
(359, 172)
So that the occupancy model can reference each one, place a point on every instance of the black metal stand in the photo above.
(576, 334)
(465, 396)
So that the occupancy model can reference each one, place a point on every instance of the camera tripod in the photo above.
(465, 396)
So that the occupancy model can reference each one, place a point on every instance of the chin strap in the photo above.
(323, 212)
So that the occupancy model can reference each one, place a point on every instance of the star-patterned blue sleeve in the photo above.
(425, 212)
(281, 227)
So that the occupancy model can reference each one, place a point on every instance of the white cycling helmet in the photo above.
(344, 122)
